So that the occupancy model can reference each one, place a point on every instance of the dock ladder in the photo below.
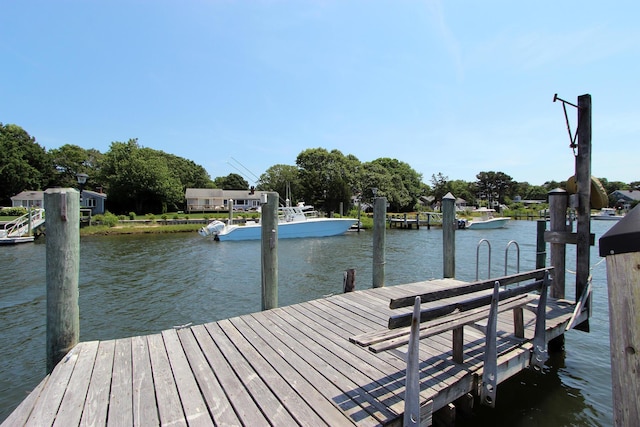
(506, 256)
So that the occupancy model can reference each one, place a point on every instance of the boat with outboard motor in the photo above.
(486, 221)
(293, 222)
(607, 214)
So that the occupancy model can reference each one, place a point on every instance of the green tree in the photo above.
(24, 164)
(190, 174)
(405, 184)
(440, 186)
(463, 190)
(494, 186)
(140, 179)
(280, 178)
(233, 181)
(530, 192)
(69, 160)
(327, 178)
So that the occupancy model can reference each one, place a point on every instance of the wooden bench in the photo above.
(464, 305)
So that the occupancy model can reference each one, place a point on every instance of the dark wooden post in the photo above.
(448, 236)
(621, 247)
(583, 210)
(558, 200)
(63, 272)
(349, 280)
(541, 246)
(269, 251)
(379, 236)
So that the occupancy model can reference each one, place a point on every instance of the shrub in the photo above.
(132, 216)
(110, 219)
(15, 211)
(176, 216)
(150, 217)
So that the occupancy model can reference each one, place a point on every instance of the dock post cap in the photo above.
(623, 237)
(448, 196)
(558, 191)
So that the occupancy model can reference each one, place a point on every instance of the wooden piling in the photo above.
(379, 237)
(448, 236)
(349, 280)
(558, 199)
(621, 247)
(583, 210)
(269, 251)
(62, 272)
(541, 246)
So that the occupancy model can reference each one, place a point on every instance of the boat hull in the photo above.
(488, 224)
(313, 227)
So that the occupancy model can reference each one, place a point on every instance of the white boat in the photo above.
(486, 221)
(293, 222)
(607, 214)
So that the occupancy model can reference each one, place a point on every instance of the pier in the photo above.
(423, 219)
(293, 365)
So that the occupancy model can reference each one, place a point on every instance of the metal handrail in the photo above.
(506, 253)
(478, 258)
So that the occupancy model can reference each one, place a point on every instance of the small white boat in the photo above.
(293, 222)
(486, 221)
(607, 214)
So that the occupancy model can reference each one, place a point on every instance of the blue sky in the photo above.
(455, 87)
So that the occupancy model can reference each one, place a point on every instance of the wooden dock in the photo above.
(287, 366)
(424, 219)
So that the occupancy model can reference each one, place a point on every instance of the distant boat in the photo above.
(607, 214)
(293, 222)
(486, 221)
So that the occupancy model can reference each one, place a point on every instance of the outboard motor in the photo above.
(214, 228)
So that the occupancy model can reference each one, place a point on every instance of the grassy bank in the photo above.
(155, 228)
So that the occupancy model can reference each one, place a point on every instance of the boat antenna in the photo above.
(246, 169)
(241, 173)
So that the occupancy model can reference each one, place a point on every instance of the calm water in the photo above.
(132, 285)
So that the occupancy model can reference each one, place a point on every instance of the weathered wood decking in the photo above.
(288, 366)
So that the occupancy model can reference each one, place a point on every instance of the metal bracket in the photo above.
(539, 352)
(572, 137)
(412, 387)
(490, 368)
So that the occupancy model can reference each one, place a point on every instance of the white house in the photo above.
(215, 199)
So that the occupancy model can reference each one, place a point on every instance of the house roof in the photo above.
(95, 194)
(29, 195)
(216, 193)
(627, 194)
(202, 193)
(39, 195)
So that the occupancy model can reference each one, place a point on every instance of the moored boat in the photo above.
(607, 214)
(486, 221)
(293, 222)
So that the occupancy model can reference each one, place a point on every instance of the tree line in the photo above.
(144, 180)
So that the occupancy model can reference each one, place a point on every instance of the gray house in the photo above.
(625, 198)
(35, 199)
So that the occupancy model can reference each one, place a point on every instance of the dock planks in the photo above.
(287, 366)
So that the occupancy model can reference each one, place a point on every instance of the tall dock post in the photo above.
(541, 246)
(62, 272)
(583, 210)
(558, 201)
(269, 250)
(621, 247)
(448, 236)
(379, 236)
